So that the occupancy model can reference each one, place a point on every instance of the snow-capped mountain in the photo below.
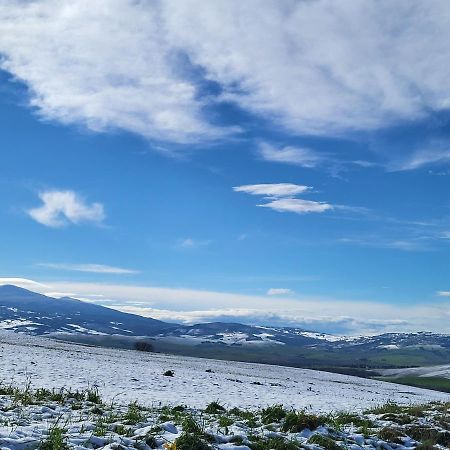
(28, 312)
(31, 313)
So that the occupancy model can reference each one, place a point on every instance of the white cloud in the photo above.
(279, 291)
(303, 157)
(443, 293)
(93, 268)
(272, 189)
(279, 197)
(22, 282)
(297, 205)
(312, 66)
(60, 208)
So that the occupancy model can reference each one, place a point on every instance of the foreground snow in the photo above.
(74, 420)
(126, 376)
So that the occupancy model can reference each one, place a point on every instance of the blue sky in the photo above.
(291, 169)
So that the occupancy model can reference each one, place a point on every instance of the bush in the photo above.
(144, 346)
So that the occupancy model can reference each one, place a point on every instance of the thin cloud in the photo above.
(61, 208)
(280, 291)
(193, 243)
(273, 189)
(280, 197)
(297, 205)
(91, 268)
(443, 293)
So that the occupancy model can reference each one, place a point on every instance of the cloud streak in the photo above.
(90, 268)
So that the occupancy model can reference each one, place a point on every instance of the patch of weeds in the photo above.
(273, 443)
(150, 440)
(214, 408)
(427, 434)
(426, 445)
(134, 414)
(273, 414)
(345, 418)
(56, 440)
(296, 422)
(401, 419)
(101, 428)
(97, 411)
(225, 421)
(324, 441)
(242, 414)
(178, 409)
(386, 408)
(93, 396)
(390, 435)
(189, 441)
(190, 425)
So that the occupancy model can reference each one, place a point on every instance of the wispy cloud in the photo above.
(300, 156)
(60, 208)
(435, 152)
(193, 243)
(92, 268)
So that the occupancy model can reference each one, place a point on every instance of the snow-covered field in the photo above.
(428, 371)
(130, 375)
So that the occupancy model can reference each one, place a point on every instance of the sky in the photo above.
(269, 162)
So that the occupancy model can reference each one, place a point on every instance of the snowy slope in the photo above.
(130, 375)
(428, 371)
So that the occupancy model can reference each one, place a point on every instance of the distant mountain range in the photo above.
(67, 318)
